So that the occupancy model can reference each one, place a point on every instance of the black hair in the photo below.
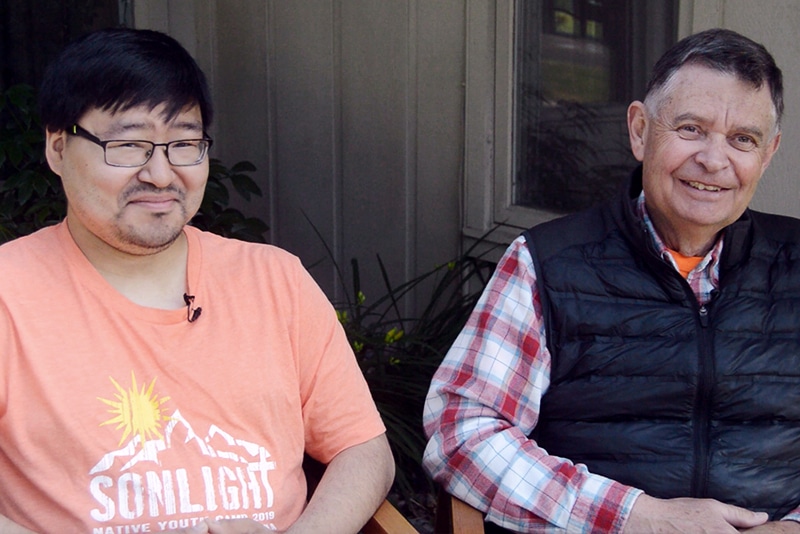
(725, 51)
(117, 69)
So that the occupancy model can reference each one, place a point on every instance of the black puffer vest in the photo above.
(652, 390)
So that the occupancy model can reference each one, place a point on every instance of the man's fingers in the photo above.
(742, 517)
(236, 526)
(199, 528)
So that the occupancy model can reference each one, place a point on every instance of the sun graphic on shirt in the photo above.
(137, 411)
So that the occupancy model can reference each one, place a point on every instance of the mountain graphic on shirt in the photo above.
(180, 437)
(182, 474)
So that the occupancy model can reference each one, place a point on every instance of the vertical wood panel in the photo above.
(305, 133)
(375, 103)
(240, 95)
(707, 14)
(353, 112)
(479, 110)
(151, 15)
(775, 28)
(779, 189)
(440, 135)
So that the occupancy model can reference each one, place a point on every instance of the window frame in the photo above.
(489, 127)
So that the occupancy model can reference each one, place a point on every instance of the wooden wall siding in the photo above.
(378, 135)
(352, 111)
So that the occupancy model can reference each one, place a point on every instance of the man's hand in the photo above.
(199, 528)
(774, 527)
(227, 526)
(236, 526)
(687, 516)
(9, 527)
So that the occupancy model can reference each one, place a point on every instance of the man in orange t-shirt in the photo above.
(153, 377)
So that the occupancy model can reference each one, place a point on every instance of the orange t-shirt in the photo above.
(116, 418)
(685, 263)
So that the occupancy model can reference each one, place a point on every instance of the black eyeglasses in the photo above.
(134, 153)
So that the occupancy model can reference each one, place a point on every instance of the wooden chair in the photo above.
(454, 516)
(387, 520)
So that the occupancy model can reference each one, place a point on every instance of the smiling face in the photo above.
(706, 144)
(138, 210)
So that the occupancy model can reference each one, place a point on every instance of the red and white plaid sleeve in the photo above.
(483, 403)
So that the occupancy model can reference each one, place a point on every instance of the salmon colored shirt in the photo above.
(116, 418)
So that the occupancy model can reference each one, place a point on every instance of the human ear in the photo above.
(637, 128)
(54, 149)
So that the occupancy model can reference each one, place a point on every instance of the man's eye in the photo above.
(689, 131)
(183, 144)
(744, 142)
(127, 144)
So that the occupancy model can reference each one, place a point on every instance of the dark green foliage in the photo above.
(215, 215)
(31, 196)
(398, 353)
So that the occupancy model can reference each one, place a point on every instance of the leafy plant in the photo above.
(215, 215)
(31, 196)
(398, 353)
(30, 193)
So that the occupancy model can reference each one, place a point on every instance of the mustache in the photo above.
(150, 188)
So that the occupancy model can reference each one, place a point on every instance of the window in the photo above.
(564, 72)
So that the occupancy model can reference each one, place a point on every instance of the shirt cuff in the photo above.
(794, 515)
(608, 508)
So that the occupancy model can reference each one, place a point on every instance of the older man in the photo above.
(636, 367)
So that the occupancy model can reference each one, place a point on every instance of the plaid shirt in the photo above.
(485, 399)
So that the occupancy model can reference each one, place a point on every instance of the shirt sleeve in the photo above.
(484, 402)
(338, 410)
(794, 515)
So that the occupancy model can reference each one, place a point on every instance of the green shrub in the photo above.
(30, 194)
(398, 354)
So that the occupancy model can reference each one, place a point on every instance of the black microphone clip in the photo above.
(191, 313)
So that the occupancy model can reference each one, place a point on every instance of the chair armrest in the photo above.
(388, 520)
(454, 516)
(466, 519)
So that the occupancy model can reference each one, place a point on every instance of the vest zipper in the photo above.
(703, 314)
(702, 415)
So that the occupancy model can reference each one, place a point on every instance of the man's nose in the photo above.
(158, 170)
(713, 155)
